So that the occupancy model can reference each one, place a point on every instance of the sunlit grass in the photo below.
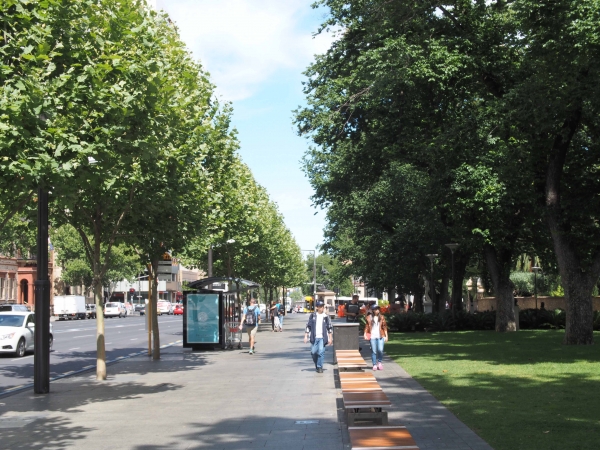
(520, 390)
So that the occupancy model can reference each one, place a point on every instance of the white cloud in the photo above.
(242, 43)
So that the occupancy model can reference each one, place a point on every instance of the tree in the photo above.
(454, 92)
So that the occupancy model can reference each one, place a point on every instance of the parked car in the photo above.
(138, 307)
(7, 307)
(17, 331)
(178, 310)
(90, 311)
(115, 309)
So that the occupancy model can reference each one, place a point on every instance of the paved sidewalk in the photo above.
(217, 400)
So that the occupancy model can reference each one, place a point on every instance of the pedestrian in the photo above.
(275, 325)
(251, 318)
(352, 309)
(320, 331)
(376, 329)
(281, 315)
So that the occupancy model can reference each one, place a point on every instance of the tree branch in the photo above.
(16, 209)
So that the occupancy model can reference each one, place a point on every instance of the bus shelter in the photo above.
(209, 310)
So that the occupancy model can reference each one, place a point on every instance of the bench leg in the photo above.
(379, 417)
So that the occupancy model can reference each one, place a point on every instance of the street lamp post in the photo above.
(432, 257)
(314, 252)
(535, 271)
(452, 247)
(41, 357)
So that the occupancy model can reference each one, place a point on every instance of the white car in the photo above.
(115, 309)
(17, 331)
(164, 307)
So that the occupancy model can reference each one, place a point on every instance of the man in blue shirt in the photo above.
(320, 330)
(251, 318)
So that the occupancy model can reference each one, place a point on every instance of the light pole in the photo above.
(474, 281)
(452, 247)
(314, 252)
(41, 356)
(535, 271)
(432, 257)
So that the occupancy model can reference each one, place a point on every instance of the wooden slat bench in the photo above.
(381, 438)
(365, 405)
(357, 376)
(349, 360)
(360, 386)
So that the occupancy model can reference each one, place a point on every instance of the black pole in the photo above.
(535, 287)
(452, 291)
(41, 358)
(433, 302)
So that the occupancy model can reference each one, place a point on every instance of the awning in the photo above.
(245, 285)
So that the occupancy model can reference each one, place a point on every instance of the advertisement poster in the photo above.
(203, 318)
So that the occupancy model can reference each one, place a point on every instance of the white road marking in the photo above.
(21, 359)
(75, 348)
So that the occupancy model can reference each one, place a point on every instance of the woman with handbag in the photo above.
(376, 331)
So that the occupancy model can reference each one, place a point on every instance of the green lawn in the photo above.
(520, 390)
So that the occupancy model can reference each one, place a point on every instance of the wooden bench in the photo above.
(365, 404)
(356, 376)
(380, 438)
(350, 360)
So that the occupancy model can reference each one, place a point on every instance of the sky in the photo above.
(255, 52)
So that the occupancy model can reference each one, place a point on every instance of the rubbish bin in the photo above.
(345, 337)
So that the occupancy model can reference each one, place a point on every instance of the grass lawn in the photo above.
(520, 390)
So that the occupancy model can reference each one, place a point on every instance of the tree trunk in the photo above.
(577, 278)
(155, 332)
(444, 297)
(460, 267)
(391, 292)
(499, 265)
(418, 302)
(100, 337)
(149, 309)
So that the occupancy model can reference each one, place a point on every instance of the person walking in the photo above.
(282, 313)
(275, 325)
(352, 309)
(251, 318)
(320, 331)
(376, 329)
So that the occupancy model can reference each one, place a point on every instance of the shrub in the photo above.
(411, 321)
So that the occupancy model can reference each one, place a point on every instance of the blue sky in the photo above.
(256, 51)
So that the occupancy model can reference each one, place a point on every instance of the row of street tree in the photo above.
(467, 121)
(103, 106)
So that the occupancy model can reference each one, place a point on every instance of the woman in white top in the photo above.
(377, 329)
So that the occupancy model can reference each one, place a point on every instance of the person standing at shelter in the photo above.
(281, 309)
(275, 325)
(376, 328)
(320, 331)
(251, 318)
(352, 309)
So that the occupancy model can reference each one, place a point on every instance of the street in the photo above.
(74, 346)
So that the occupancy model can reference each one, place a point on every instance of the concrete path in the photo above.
(217, 400)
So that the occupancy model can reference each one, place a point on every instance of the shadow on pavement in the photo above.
(254, 432)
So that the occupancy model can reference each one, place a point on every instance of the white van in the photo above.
(164, 307)
(115, 309)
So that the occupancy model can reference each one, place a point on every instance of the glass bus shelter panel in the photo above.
(202, 319)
